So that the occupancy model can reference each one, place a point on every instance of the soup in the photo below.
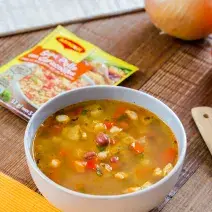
(105, 147)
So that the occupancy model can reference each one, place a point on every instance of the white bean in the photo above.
(115, 129)
(62, 118)
(146, 185)
(55, 163)
(102, 155)
(167, 169)
(131, 189)
(131, 114)
(121, 175)
(158, 172)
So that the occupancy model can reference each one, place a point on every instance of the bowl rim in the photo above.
(33, 164)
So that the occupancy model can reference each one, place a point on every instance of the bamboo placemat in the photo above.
(15, 197)
(26, 15)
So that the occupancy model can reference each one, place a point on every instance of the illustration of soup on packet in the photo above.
(59, 63)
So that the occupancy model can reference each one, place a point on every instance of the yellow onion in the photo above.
(185, 19)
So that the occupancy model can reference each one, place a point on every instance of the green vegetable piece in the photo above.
(84, 112)
(141, 155)
(6, 95)
(99, 172)
(101, 148)
(122, 117)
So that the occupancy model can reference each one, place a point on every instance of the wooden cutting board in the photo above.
(203, 119)
(26, 15)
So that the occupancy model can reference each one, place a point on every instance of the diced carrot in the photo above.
(119, 111)
(124, 125)
(91, 164)
(78, 111)
(137, 147)
(169, 155)
(108, 124)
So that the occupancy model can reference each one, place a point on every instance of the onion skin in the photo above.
(184, 19)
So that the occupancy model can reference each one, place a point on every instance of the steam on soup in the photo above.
(105, 147)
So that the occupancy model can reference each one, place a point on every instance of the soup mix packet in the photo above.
(59, 63)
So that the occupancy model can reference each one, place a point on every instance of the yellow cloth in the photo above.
(15, 197)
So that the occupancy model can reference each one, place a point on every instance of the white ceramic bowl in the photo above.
(140, 201)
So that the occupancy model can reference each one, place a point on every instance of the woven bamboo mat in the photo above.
(26, 15)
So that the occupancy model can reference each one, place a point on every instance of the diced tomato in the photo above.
(91, 164)
(137, 147)
(169, 155)
(119, 111)
(108, 124)
(78, 111)
(124, 125)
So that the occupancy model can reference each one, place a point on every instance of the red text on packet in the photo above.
(70, 44)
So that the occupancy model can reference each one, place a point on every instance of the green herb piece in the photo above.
(122, 117)
(148, 119)
(101, 148)
(6, 95)
(84, 112)
(141, 155)
(99, 172)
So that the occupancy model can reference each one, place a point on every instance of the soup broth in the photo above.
(105, 147)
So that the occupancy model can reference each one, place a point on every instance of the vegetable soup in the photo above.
(105, 147)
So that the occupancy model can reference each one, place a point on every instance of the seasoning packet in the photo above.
(59, 63)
